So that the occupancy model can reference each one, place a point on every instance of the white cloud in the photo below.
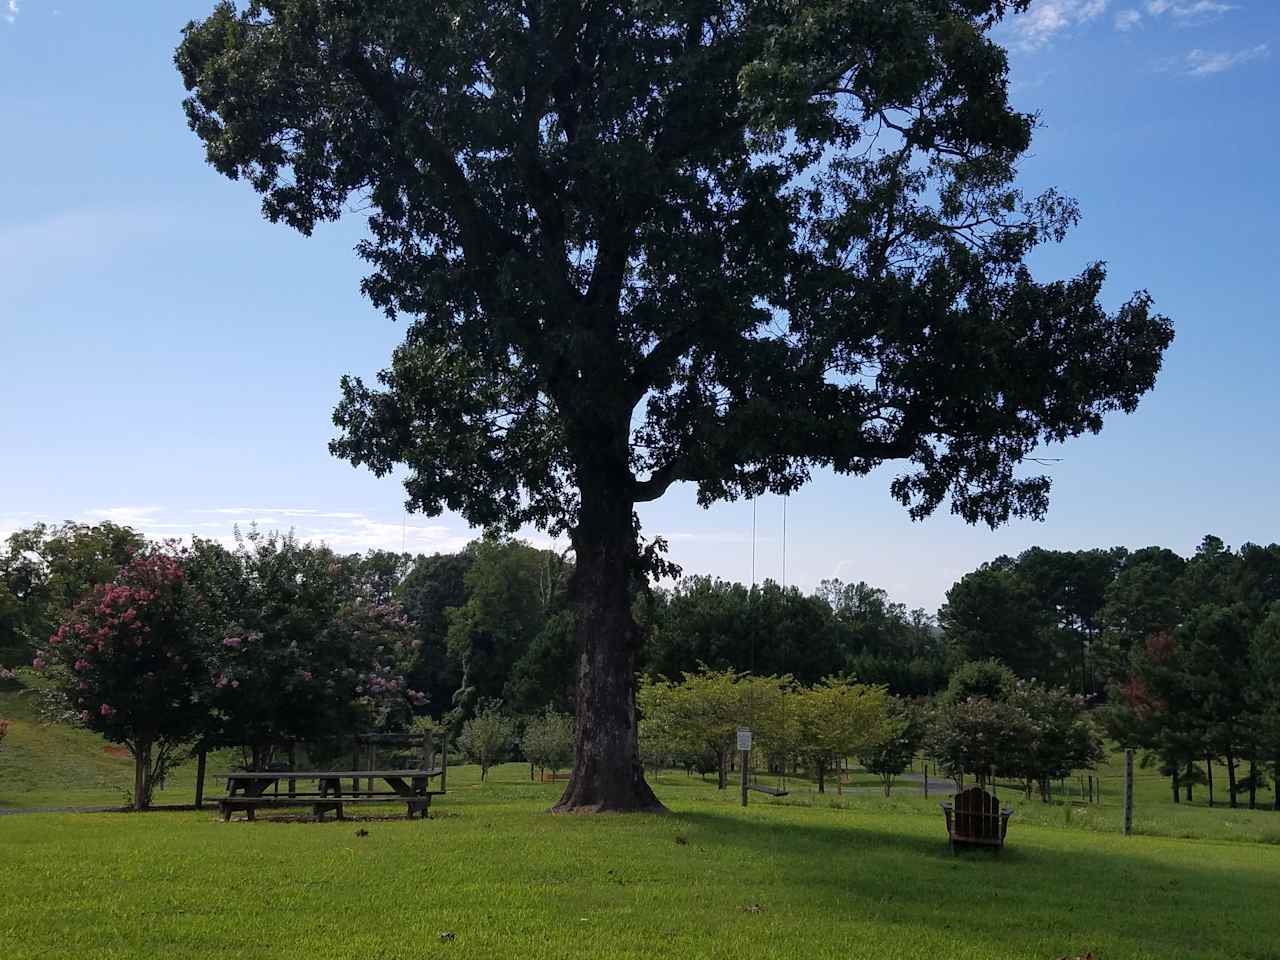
(1126, 20)
(1203, 63)
(11, 11)
(1045, 19)
(1190, 11)
(126, 516)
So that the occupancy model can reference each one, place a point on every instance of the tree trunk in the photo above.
(1253, 783)
(201, 762)
(1208, 776)
(822, 776)
(607, 773)
(141, 760)
(1275, 787)
(1176, 796)
(1231, 778)
(722, 770)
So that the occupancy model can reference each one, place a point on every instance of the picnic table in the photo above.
(248, 790)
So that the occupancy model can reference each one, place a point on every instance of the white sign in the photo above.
(744, 738)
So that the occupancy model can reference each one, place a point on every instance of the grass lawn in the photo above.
(852, 876)
(710, 880)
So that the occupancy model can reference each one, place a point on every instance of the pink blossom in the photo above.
(82, 664)
(38, 663)
(233, 642)
(306, 675)
(107, 710)
(82, 685)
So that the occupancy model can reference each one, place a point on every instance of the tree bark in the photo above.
(1208, 775)
(202, 758)
(722, 771)
(1176, 796)
(1231, 779)
(607, 773)
(1253, 783)
(141, 760)
(822, 776)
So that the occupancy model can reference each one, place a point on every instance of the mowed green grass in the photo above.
(852, 876)
(708, 880)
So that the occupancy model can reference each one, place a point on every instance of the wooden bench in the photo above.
(247, 790)
(975, 818)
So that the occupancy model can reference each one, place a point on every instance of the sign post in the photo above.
(744, 750)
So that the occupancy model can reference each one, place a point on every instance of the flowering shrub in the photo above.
(296, 652)
(127, 663)
(269, 686)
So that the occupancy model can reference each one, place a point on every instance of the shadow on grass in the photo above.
(1064, 892)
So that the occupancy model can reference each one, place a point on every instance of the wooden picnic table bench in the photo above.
(247, 790)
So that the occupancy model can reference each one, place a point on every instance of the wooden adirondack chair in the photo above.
(975, 817)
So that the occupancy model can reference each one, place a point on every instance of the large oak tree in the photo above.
(721, 242)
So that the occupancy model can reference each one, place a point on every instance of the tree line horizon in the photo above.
(1176, 653)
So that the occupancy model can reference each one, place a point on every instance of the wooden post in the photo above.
(1128, 792)
(201, 756)
(745, 776)
(373, 760)
(293, 765)
(355, 763)
(925, 764)
(444, 765)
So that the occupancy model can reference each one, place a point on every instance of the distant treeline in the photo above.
(494, 619)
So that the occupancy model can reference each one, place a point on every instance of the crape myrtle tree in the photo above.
(128, 659)
(722, 243)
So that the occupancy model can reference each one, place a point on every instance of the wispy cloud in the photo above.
(125, 516)
(1126, 20)
(1196, 9)
(67, 244)
(1204, 63)
(11, 11)
(1046, 19)
(1183, 14)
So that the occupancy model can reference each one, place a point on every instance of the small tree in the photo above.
(838, 718)
(702, 712)
(985, 679)
(892, 755)
(127, 659)
(548, 740)
(979, 736)
(1064, 738)
(486, 736)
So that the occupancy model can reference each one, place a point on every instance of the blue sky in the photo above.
(170, 360)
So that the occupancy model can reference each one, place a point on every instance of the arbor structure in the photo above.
(724, 243)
